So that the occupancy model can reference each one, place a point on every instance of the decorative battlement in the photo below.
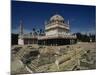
(57, 36)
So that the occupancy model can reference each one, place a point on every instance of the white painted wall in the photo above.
(20, 41)
(56, 32)
(52, 32)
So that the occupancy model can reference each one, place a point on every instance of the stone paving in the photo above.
(80, 56)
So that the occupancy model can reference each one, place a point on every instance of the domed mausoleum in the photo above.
(57, 26)
(57, 32)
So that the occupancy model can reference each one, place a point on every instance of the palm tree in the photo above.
(40, 31)
(33, 29)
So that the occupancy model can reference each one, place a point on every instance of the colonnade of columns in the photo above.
(56, 42)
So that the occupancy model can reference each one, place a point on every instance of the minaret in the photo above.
(68, 22)
(45, 22)
(21, 28)
(20, 38)
(68, 25)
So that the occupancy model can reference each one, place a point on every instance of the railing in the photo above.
(58, 36)
(49, 36)
(62, 24)
(28, 36)
(53, 26)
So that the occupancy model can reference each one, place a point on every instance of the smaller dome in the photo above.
(57, 17)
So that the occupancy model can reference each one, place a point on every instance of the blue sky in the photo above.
(34, 14)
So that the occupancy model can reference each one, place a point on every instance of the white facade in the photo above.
(51, 32)
(20, 41)
(56, 26)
